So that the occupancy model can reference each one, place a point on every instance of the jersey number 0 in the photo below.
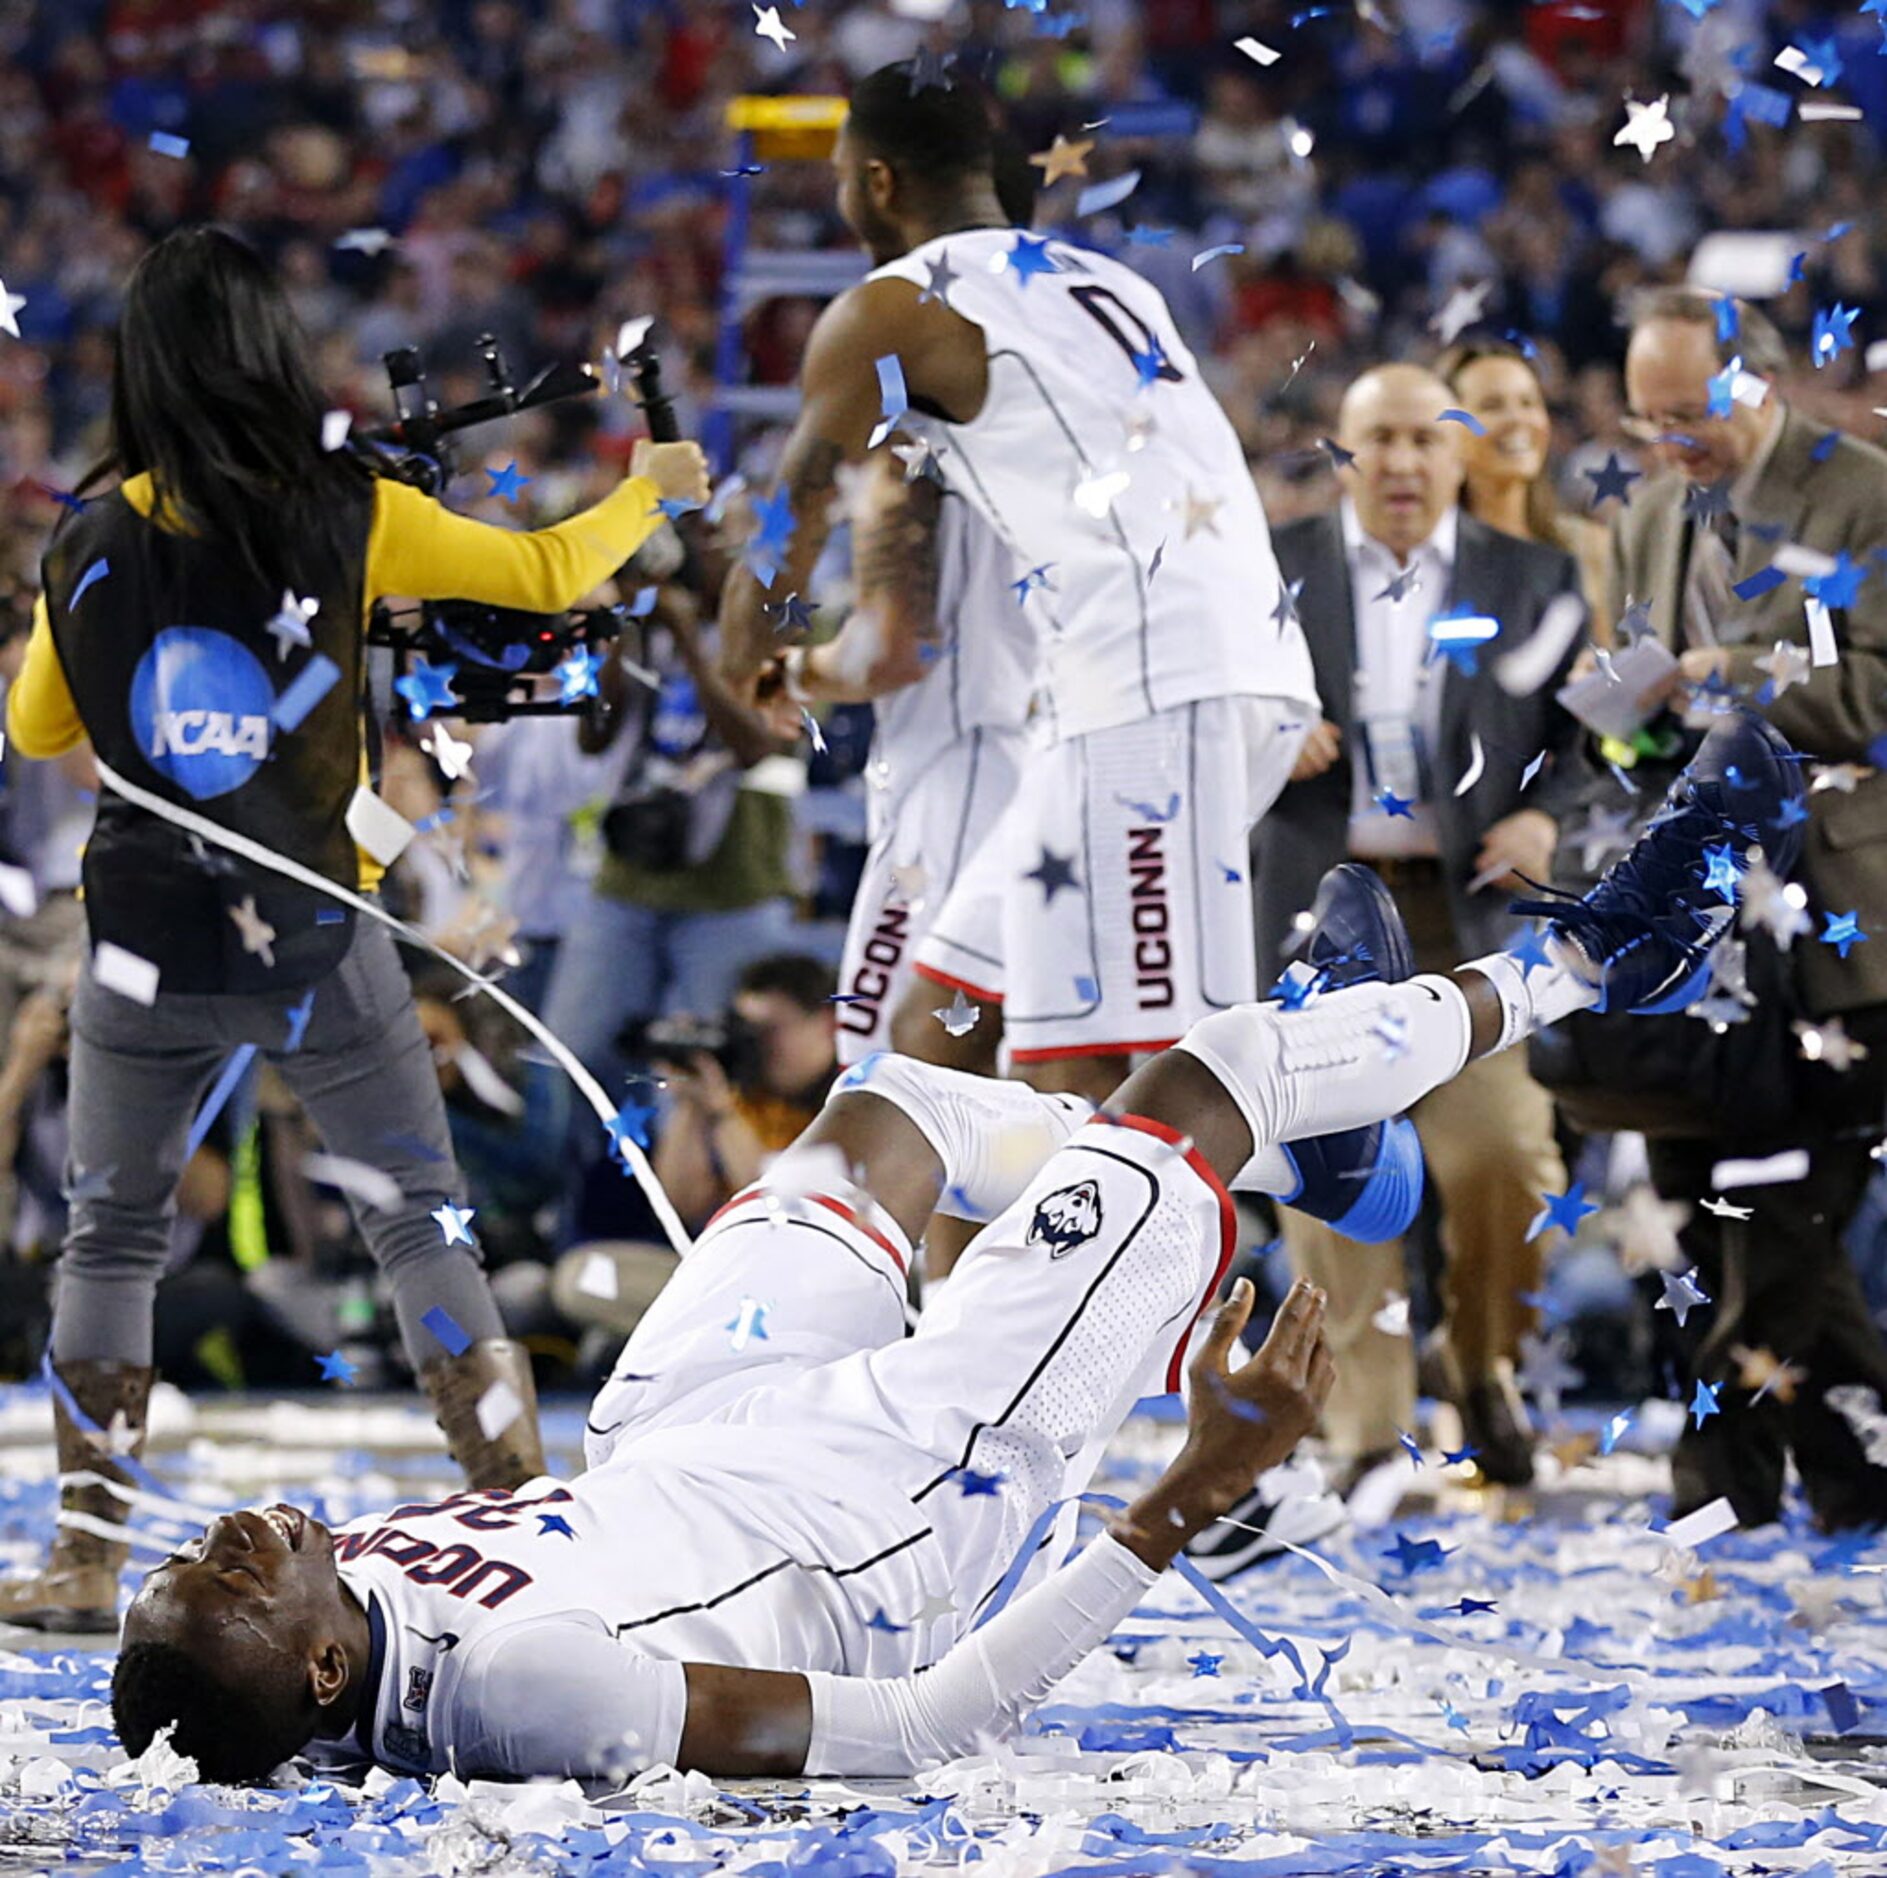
(1096, 301)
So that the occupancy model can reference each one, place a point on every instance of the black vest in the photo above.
(184, 692)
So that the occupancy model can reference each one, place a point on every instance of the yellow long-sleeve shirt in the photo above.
(415, 550)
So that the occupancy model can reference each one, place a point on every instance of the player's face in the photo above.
(1668, 369)
(1504, 397)
(248, 1598)
(864, 183)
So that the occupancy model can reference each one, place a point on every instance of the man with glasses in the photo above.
(1720, 552)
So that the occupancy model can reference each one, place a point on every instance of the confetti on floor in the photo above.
(1625, 1707)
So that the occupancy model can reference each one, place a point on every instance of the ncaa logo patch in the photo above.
(200, 705)
(1067, 1218)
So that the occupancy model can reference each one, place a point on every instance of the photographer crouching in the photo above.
(202, 622)
(738, 1089)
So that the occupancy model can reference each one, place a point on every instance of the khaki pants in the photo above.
(1488, 1140)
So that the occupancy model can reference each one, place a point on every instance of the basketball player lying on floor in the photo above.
(791, 1506)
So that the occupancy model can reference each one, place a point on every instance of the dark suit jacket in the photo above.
(1307, 830)
(1835, 504)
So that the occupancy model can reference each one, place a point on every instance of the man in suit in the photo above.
(1429, 769)
(1745, 477)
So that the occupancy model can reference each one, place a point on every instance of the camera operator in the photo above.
(742, 1087)
(229, 512)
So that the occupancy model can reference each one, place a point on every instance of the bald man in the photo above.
(1420, 768)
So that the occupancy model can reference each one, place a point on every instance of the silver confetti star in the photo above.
(258, 936)
(1778, 906)
(1830, 1043)
(289, 627)
(1787, 665)
(960, 1016)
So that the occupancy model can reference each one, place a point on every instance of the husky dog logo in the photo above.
(1067, 1218)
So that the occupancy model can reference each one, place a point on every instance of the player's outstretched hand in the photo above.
(1244, 1420)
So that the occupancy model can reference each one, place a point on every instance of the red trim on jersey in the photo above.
(1050, 1054)
(852, 1218)
(951, 983)
(865, 1226)
(1228, 1220)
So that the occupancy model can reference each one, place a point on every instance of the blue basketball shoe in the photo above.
(1645, 931)
(1365, 1183)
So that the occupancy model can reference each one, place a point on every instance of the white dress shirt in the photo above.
(1396, 702)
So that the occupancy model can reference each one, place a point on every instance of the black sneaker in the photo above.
(1644, 933)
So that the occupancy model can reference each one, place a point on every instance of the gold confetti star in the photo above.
(1062, 158)
(1703, 1589)
(1202, 512)
(258, 936)
(1762, 1372)
(1830, 1043)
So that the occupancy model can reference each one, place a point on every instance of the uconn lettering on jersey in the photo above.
(871, 983)
(1152, 919)
(458, 1569)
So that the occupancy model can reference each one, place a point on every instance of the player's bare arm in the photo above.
(893, 633)
(840, 406)
(1240, 1421)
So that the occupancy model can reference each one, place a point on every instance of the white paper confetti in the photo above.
(378, 827)
(597, 1278)
(1773, 1170)
(125, 973)
(498, 1408)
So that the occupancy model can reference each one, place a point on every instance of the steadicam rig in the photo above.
(494, 653)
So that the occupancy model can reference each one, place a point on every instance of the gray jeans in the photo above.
(364, 1072)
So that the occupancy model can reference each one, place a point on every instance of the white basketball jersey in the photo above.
(1103, 460)
(985, 670)
(693, 1544)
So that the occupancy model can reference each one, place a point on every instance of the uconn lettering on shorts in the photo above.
(457, 1568)
(1152, 918)
(871, 983)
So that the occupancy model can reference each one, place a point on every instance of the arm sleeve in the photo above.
(986, 1684)
(42, 720)
(563, 1698)
(423, 551)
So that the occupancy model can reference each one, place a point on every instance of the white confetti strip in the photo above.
(378, 827)
(1773, 1170)
(498, 1408)
(125, 973)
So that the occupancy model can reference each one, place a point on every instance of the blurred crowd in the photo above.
(542, 171)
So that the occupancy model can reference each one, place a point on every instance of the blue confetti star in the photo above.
(1415, 1555)
(1394, 805)
(1036, 579)
(1839, 585)
(336, 1368)
(298, 1015)
(1703, 1404)
(1029, 257)
(1833, 332)
(1823, 57)
(1232, 877)
(1614, 1432)
(1296, 990)
(1457, 633)
(548, 1523)
(1564, 1210)
(1790, 814)
(452, 1221)
(1529, 950)
(1843, 933)
(879, 1621)
(1722, 871)
(508, 482)
(1053, 872)
(1151, 365)
(576, 675)
(795, 616)
(774, 522)
(1285, 612)
(1205, 1662)
(1453, 1457)
(427, 688)
(1474, 1607)
(1410, 1446)
(749, 1324)
(1612, 481)
(631, 1122)
(970, 1483)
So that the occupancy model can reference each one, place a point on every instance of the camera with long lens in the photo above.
(496, 651)
(675, 1041)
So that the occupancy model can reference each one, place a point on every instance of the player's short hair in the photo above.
(236, 1736)
(1017, 181)
(935, 135)
(1757, 340)
(808, 981)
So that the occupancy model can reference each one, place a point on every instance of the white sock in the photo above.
(992, 1137)
(1351, 1057)
(1532, 999)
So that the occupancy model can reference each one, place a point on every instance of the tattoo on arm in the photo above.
(811, 471)
(895, 557)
